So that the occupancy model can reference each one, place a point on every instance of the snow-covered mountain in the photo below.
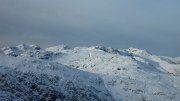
(97, 73)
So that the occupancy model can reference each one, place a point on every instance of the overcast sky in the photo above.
(147, 24)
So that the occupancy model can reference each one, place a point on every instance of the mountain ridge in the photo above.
(107, 74)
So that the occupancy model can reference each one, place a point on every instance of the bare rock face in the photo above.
(107, 49)
(11, 51)
(28, 47)
(113, 50)
(137, 51)
(45, 55)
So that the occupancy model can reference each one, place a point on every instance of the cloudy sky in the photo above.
(147, 24)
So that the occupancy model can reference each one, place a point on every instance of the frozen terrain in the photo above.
(97, 73)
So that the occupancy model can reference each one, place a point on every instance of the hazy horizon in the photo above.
(153, 25)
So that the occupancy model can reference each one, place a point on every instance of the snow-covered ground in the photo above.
(61, 73)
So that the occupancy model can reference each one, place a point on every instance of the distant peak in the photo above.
(23, 46)
(107, 49)
(57, 48)
(9, 50)
(26, 47)
(138, 51)
(19, 49)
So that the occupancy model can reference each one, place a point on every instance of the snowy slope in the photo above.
(87, 73)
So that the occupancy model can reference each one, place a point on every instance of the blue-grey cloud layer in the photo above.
(147, 24)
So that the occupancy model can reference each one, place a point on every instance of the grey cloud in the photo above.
(152, 24)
